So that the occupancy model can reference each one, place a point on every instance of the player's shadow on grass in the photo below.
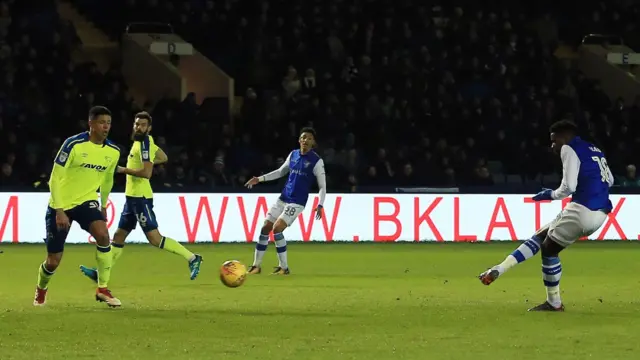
(390, 275)
(146, 312)
(299, 286)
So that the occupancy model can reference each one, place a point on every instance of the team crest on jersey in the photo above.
(84, 155)
(107, 159)
(63, 156)
(306, 164)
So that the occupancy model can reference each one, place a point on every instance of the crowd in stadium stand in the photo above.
(401, 93)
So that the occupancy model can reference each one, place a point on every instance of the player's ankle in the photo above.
(555, 303)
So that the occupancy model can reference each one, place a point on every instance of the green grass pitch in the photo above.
(342, 301)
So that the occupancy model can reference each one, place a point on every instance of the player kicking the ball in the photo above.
(586, 175)
(301, 165)
(84, 163)
(138, 207)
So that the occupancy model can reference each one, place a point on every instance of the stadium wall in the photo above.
(237, 217)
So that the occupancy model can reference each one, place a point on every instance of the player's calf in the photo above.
(551, 271)
(117, 246)
(104, 258)
(173, 246)
(281, 244)
(261, 248)
(116, 251)
(105, 261)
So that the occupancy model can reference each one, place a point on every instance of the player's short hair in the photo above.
(309, 130)
(97, 111)
(563, 127)
(143, 115)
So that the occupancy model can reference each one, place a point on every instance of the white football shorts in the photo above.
(287, 212)
(574, 222)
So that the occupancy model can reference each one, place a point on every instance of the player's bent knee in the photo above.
(120, 236)
(102, 239)
(542, 233)
(154, 237)
(266, 227)
(98, 229)
(279, 226)
(550, 248)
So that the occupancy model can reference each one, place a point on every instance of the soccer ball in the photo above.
(233, 273)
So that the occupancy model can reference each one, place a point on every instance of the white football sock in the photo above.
(261, 248)
(553, 296)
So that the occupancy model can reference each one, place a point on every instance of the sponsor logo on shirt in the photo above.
(93, 166)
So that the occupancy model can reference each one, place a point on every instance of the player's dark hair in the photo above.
(143, 115)
(564, 127)
(97, 111)
(309, 130)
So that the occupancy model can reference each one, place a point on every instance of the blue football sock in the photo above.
(525, 251)
(281, 247)
(551, 274)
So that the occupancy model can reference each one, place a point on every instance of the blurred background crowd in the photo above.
(402, 93)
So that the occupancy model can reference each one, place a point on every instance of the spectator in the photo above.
(408, 96)
(630, 179)
(7, 177)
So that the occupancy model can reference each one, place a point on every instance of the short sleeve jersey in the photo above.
(81, 167)
(141, 152)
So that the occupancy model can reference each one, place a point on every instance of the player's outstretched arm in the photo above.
(321, 176)
(275, 174)
(144, 172)
(570, 169)
(161, 157)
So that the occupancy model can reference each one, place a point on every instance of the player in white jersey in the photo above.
(303, 166)
(585, 176)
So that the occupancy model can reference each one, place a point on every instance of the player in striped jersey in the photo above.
(587, 177)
